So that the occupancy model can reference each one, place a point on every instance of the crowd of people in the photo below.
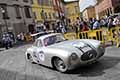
(63, 26)
(58, 27)
(79, 25)
(93, 24)
(8, 39)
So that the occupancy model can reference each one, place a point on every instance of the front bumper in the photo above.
(79, 62)
(73, 66)
(100, 51)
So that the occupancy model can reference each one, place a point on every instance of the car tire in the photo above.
(59, 65)
(29, 57)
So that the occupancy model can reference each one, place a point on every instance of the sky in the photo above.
(85, 3)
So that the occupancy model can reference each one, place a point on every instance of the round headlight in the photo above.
(73, 56)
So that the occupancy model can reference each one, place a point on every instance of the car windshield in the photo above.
(53, 39)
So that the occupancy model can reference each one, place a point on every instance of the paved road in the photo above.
(13, 66)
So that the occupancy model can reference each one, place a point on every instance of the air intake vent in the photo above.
(89, 55)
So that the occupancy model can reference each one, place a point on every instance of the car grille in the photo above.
(89, 55)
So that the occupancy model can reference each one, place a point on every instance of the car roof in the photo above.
(35, 34)
(47, 35)
(42, 33)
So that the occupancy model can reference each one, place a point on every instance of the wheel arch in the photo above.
(52, 59)
(28, 55)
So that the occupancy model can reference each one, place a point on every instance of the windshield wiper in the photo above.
(61, 41)
(58, 41)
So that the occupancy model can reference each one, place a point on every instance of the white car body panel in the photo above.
(64, 50)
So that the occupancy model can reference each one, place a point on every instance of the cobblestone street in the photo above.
(14, 66)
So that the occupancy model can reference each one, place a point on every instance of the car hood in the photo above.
(68, 45)
(72, 44)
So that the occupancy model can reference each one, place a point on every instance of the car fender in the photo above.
(31, 52)
(51, 53)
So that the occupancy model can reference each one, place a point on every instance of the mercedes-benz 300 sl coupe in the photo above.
(53, 50)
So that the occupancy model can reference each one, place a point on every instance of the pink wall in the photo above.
(103, 5)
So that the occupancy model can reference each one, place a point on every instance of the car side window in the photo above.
(38, 43)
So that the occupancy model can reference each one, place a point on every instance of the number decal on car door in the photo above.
(41, 56)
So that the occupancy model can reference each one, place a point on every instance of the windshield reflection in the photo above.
(53, 39)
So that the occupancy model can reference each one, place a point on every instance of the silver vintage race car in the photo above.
(55, 51)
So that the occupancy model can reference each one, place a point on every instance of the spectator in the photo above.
(6, 40)
(78, 24)
(85, 26)
(28, 37)
(43, 27)
(20, 38)
(46, 26)
(58, 29)
(116, 21)
(78, 21)
(110, 23)
(103, 22)
(62, 27)
(54, 27)
(91, 23)
(11, 36)
(96, 25)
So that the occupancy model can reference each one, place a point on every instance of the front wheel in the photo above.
(60, 65)
(29, 57)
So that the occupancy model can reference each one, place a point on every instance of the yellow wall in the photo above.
(36, 8)
(72, 11)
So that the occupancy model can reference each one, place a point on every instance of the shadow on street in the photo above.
(93, 70)
(96, 69)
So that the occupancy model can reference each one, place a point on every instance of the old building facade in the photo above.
(58, 6)
(89, 13)
(16, 16)
(43, 11)
(107, 7)
(46, 11)
(72, 10)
